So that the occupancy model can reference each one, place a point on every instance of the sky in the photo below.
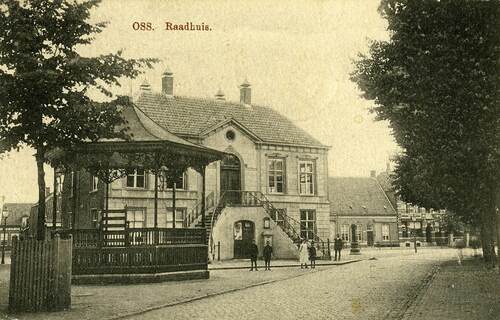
(297, 55)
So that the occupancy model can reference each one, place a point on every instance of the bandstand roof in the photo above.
(145, 137)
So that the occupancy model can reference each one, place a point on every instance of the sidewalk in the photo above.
(466, 292)
(118, 301)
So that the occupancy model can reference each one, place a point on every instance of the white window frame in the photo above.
(94, 183)
(179, 217)
(182, 182)
(304, 189)
(345, 232)
(386, 231)
(135, 174)
(308, 225)
(359, 232)
(132, 220)
(274, 173)
(279, 216)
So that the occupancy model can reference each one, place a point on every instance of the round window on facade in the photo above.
(230, 135)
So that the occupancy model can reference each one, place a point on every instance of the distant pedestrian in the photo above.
(304, 254)
(312, 255)
(338, 244)
(254, 253)
(460, 245)
(267, 253)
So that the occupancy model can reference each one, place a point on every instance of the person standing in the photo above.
(254, 253)
(338, 244)
(312, 255)
(460, 245)
(267, 253)
(304, 254)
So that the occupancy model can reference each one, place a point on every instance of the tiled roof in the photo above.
(17, 211)
(385, 181)
(358, 197)
(192, 116)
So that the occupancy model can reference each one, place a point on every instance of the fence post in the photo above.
(218, 250)
(13, 273)
(328, 249)
(127, 234)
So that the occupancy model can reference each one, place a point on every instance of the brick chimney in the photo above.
(167, 82)
(373, 174)
(220, 95)
(245, 93)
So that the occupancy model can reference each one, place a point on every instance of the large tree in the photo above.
(44, 81)
(436, 82)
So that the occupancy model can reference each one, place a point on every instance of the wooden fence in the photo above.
(40, 275)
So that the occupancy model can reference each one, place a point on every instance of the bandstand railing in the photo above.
(138, 250)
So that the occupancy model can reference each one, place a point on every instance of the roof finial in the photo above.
(145, 86)
(167, 72)
(220, 95)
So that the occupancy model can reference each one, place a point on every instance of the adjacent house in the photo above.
(17, 220)
(414, 223)
(362, 201)
(49, 212)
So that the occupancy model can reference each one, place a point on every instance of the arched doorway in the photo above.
(230, 179)
(244, 234)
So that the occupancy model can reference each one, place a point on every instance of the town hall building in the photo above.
(271, 185)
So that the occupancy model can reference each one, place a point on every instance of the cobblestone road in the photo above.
(375, 289)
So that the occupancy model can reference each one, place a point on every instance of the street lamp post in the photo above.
(5, 215)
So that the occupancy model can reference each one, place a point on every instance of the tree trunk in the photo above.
(40, 225)
(488, 235)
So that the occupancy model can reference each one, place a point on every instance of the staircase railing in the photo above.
(217, 209)
(287, 223)
(256, 198)
(195, 212)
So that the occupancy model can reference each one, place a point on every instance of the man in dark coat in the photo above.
(267, 253)
(338, 244)
(312, 255)
(254, 252)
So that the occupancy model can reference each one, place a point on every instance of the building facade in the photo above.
(415, 224)
(362, 202)
(273, 171)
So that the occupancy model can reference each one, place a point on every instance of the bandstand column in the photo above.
(156, 200)
(54, 200)
(173, 203)
(203, 196)
(75, 196)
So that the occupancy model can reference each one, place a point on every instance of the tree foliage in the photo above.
(45, 82)
(436, 82)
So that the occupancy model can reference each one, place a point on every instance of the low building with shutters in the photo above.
(361, 201)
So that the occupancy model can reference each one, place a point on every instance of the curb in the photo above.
(290, 265)
(167, 305)
(415, 299)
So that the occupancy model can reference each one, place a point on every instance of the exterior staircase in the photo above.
(210, 214)
(254, 198)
